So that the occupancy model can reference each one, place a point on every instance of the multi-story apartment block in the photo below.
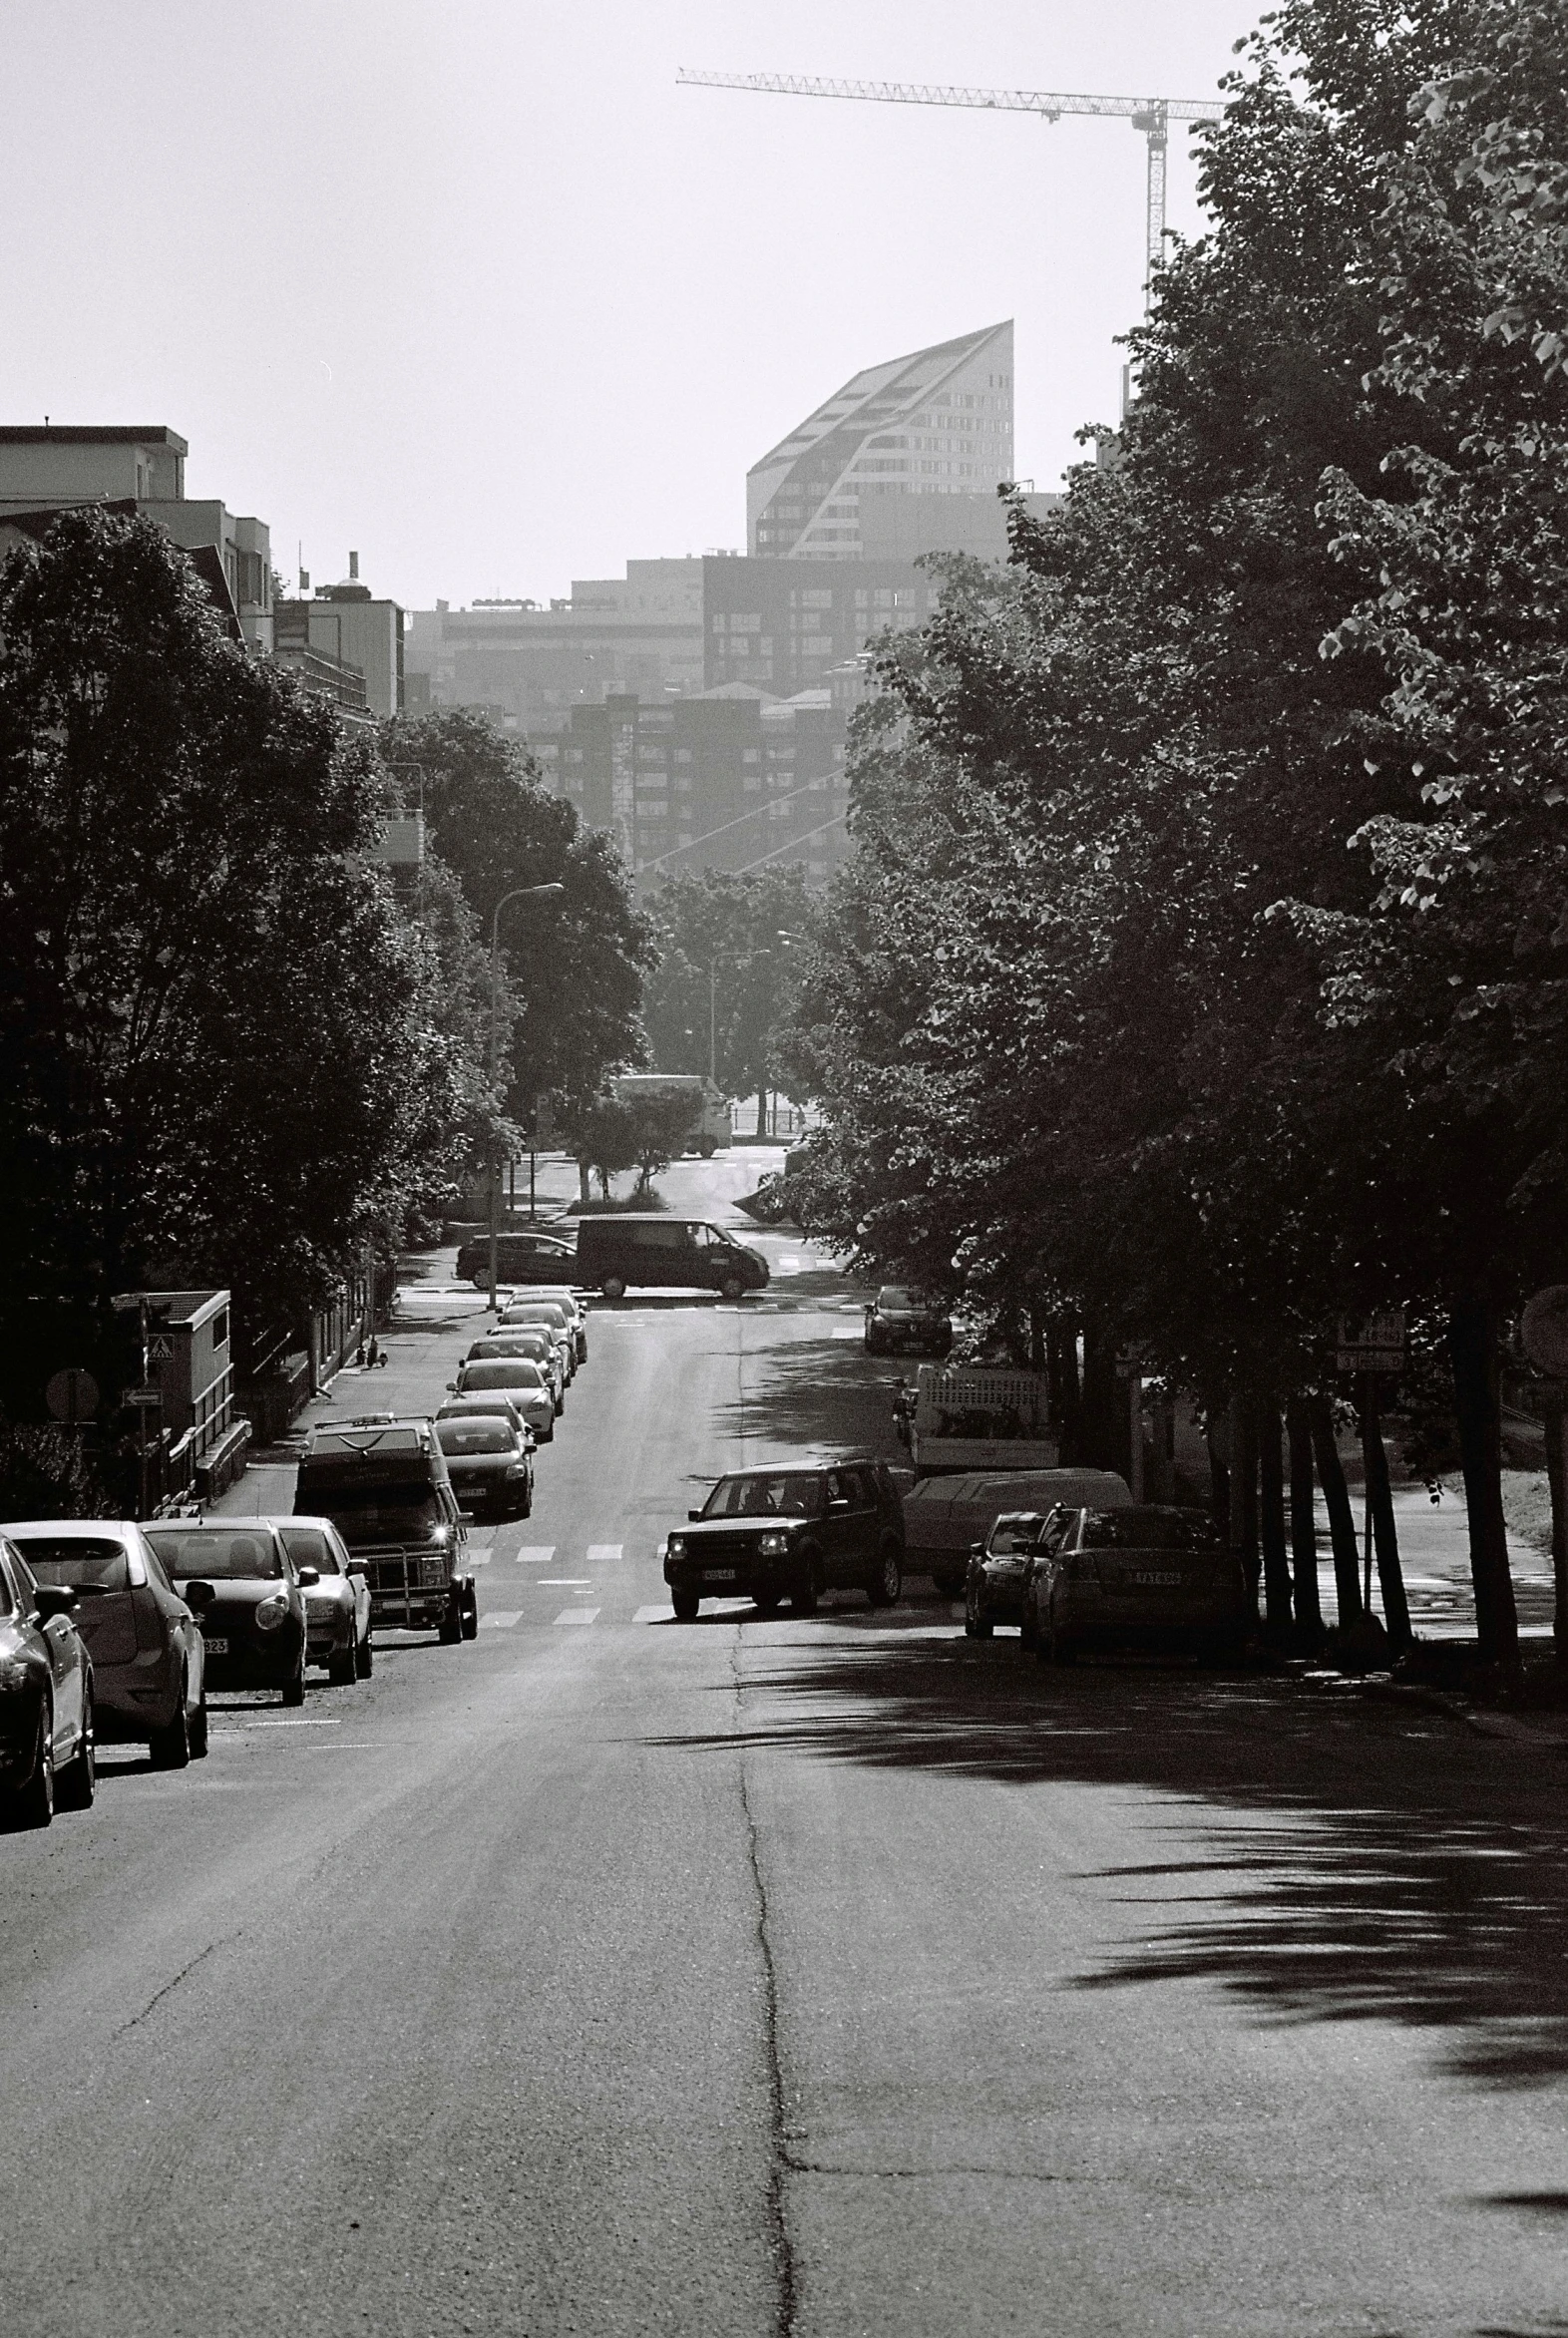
(348, 627)
(51, 465)
(937, 423)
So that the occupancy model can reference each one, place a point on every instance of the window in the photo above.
(307, 1546)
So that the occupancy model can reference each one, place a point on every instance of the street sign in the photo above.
(1372, 1342)
(72, 1396)
(160, 1348)
(144, 1400)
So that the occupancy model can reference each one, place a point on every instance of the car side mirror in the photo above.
(452, 1388)
(54, 1599)
(197, 1595)
(693, 1514)
(306, 1576)
(976, 1550)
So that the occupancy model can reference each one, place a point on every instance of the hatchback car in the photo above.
(148, 1661)
(567, 1301)
(491, 1462)
(520, 1258)
(545, 1314)
(783, 1533)
(494, 1401)
(337, 1605)
(903, 1320)
(515, 1377)
(998, 1566)
(1144, 1576)
(248, 1597)
(536, 1344)
(47, 1747)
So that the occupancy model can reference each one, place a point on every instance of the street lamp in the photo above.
(518, 893)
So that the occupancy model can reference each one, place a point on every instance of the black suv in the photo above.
(901, 1316)
(791, 1533)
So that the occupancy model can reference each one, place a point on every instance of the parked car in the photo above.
(945, 1516)
(387, 1489)
(337, 1605)
(520, 1258)
(246, 1594)
(516, 1377)
(491, 1463)
(488, 1400)
(564, 1299)
(148, 1658)
(993, 1588)
(47, 1745)
(621, 1251)
(536, 1342)
(903, 1320)
(545, 1314)
(1147, 1575)
(788, 1533)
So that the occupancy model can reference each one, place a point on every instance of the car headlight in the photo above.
(272, 1611)
(518, 1469)
(440, 1535)
(676, 1548)
(773, 1546)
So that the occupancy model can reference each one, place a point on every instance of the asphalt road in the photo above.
(614, 1976)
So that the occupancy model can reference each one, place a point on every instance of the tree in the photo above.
(577, 962)
(725, 943)
(215, 1055)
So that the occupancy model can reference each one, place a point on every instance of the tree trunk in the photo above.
(1271, 1524)
(1557, 1479)
(1244, 1450)
(1341, 1519)
(1473, 1350)
(1101, 1429)
(1304, 1527)
(1218, 1470)
(1036, 1339)
(1385, 1536)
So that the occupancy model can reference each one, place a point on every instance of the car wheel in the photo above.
(1061, 1649)
(78, 1782)
(612, 1287)
(732, 1287)
(976, 1626)
(343, 1667)
(888, 1582)
(526, 1506)
(1029, 1625)
(948, 1586)
(470, 1623)
(804, 1601)
(365, 1658)
(198, 1731)
(450, 1630)
(685, 1605)
(765, 1602)
(34, 1803)
(171, 1748)
(294, 1689)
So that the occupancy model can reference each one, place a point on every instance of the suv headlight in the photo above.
(676, 1548)
(773, 1546)
(272, 1611)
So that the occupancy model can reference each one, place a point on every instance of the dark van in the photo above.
(387, 1489)
(623, 1251)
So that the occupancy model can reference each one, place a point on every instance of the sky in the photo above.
(474, 288)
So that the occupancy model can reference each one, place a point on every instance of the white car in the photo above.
(537, 1343)
(562, 1296)
(545, 1314)
(516, 1377)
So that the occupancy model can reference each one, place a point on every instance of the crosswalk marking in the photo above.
(479, 1558)
(501, 1619)
(578, 1615)
(657, 1614)
(538, 1554)
(601, 1554)
(856, 1334)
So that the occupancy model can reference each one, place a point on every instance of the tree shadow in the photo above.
(1358, 1860)
(814, 1392)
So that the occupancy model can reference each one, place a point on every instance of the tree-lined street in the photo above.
(832, 1975)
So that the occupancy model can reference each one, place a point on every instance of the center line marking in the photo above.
(567, 1582)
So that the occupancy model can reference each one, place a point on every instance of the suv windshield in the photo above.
(787, 1494)
(371, 1514)
(224, 1555)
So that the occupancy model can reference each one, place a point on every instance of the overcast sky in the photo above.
(472, 286)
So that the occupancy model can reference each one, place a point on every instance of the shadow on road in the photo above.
(1357, 1860)
(814, 1392)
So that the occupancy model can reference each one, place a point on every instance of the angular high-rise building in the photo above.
(938, 423)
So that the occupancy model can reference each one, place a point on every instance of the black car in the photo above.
(520, 1258)
(249, 1596)
(903, 1320)
(791, 1533)
(491, 1463)
(47, 1750)
(999, 1570)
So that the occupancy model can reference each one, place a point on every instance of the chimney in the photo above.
(353, 567)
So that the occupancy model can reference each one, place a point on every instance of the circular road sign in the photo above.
(72, 1396)
(1544, 1331)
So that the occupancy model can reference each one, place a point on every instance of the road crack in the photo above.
(183, 1973)
(781, 2160)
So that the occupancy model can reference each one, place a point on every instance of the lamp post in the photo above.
(518, 893)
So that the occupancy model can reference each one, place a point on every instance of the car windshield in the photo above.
(383, 1513)
(484, 1434)
(307, 1546)
(88, 1563)
(787, 1494)
(224, 1554)
(491, 1407)
(533, 1343)
(502, 1371)
(1150, 1530)
(1010, 1535)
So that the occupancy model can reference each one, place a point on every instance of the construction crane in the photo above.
(1150, 114)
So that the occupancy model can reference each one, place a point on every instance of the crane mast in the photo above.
(1151, 116)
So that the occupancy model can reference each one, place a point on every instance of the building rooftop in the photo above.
(91, 434)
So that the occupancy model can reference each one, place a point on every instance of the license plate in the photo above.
(718, 1574)
(215, 1644)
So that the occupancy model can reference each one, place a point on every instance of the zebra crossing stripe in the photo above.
(499, 1619)
(601, 1554)
(583, 1615)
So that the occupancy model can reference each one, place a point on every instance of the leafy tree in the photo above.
(724, 939)
(576, 962)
